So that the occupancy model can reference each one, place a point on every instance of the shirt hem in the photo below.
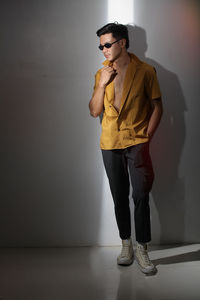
(124, 147)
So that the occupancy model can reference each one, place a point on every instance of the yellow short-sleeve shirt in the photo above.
(128, 126)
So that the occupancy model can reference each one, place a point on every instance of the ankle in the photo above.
(143, 245)
(127, 242)
(127, 239)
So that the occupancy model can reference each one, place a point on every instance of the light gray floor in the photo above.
(91, 273)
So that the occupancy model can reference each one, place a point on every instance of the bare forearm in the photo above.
(155, 118)
(96, 103)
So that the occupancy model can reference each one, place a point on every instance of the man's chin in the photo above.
(110, 59)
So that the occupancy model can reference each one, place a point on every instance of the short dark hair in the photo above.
(119, 31)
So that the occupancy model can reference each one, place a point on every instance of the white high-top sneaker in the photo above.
(142, 258)
(127, 254)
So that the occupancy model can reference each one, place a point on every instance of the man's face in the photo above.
(114, 51)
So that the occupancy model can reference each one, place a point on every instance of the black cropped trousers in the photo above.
(136, 161)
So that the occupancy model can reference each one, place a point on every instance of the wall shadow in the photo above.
(166, 147)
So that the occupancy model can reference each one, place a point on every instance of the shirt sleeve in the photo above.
(152, 87)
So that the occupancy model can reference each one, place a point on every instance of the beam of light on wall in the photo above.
(121, 11)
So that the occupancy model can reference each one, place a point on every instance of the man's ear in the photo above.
(123, 43)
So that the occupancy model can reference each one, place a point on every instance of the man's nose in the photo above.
(104, 50)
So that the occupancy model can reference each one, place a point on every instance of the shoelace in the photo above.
(125, 251)
(146, 257)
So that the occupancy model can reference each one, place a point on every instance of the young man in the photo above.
(127, 92)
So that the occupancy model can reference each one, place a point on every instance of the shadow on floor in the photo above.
(189, 255)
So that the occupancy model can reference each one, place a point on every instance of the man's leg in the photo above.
(142, 176)
(141, 173)
(117, 172)
(116, 169)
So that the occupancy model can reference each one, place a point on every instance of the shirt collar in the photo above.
(133, 57)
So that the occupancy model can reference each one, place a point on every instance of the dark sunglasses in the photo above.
(108, 45)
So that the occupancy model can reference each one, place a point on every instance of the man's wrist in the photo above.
(101, 85)
(150, 135)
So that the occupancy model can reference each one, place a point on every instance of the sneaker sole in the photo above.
(126, 263)
(146, 271)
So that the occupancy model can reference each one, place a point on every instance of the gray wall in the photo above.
(52, 175)
(50, 159)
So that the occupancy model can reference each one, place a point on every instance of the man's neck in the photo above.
(122, 61)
